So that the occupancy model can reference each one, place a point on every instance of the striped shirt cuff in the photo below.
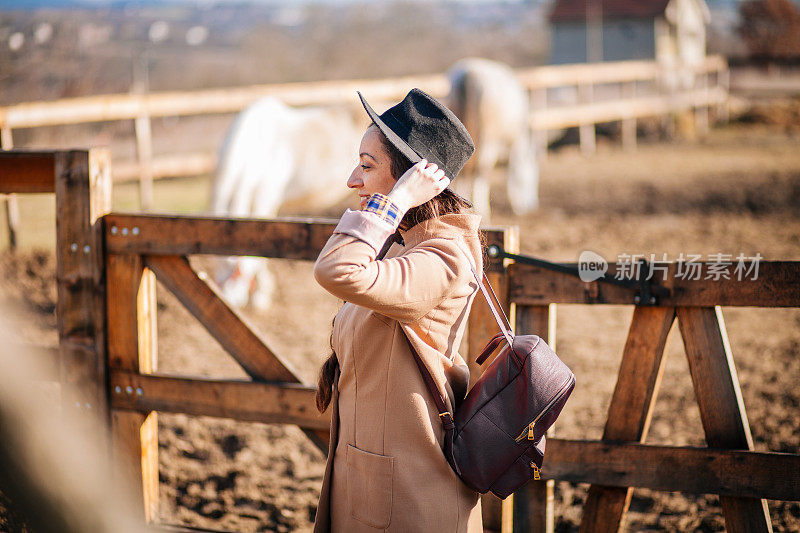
(381, 205)
(365, 226)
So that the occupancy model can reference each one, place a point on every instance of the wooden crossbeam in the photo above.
(722, 411)
(185, 235)
(287, 238)
(631, 408)
(226, 326)
(693, 470)
(250, 401)
(777, 285)
(232, 99)
(565, 116)
(27, 171)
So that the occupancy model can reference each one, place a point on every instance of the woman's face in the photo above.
(374, 170)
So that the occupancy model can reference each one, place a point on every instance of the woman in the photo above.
(386, 469)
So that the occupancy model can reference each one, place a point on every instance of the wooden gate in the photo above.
(744, 479)
(143, 248)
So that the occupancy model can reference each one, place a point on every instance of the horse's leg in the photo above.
(480, 195)
(268, 197)
(236, 287)
(228, 179)
(523, 176)
(481, 190)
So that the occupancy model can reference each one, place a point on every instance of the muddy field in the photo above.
(738, 191)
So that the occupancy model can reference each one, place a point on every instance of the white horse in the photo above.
(493, 105)
(275, 156)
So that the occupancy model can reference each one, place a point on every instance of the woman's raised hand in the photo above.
(419, 184)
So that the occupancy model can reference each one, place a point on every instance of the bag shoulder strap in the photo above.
(430, 383)
(505, 325)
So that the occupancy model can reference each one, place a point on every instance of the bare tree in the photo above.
(770, 28)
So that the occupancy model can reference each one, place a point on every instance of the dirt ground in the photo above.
(737, 191)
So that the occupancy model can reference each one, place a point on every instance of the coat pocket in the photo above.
(369, 487)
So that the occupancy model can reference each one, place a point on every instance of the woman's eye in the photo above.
(365, 167)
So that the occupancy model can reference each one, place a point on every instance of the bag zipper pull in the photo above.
(530, 431)
(535, 471)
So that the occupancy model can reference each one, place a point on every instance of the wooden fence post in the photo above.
(12, 208)
(722, 411)
(144, 154)
(587, 130)
(724, 82)
(497, 514)
(83, 196)
(142, 131)
(534, 503)
(701, 112)
(631, 408)
(132, 347)
(538, 103)
(629, 124)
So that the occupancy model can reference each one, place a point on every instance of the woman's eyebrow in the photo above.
(368, 155)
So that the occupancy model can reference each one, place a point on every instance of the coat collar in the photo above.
(450, 225)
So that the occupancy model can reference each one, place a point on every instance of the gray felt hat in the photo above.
(422, 128)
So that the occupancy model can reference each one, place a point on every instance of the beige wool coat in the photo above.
(386, 470)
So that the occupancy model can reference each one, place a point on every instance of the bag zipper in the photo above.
(528, 431)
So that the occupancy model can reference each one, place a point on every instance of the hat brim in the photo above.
(395, 139)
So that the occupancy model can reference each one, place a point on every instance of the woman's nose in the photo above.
(354, 181)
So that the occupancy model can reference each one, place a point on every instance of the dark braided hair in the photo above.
(444, 203)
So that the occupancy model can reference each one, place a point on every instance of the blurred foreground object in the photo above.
(60, 479)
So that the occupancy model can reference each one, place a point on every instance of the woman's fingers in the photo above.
(434, 171)
(418, 184)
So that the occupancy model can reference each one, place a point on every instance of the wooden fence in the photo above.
(108, 263)
(710, 90)
(744, 479)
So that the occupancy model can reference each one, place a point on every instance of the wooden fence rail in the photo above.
(141, 108)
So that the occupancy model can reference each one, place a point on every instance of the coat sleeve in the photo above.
(404, 288)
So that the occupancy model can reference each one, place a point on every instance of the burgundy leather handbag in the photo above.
(495, 441)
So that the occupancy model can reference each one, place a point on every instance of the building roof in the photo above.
(571, 10)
